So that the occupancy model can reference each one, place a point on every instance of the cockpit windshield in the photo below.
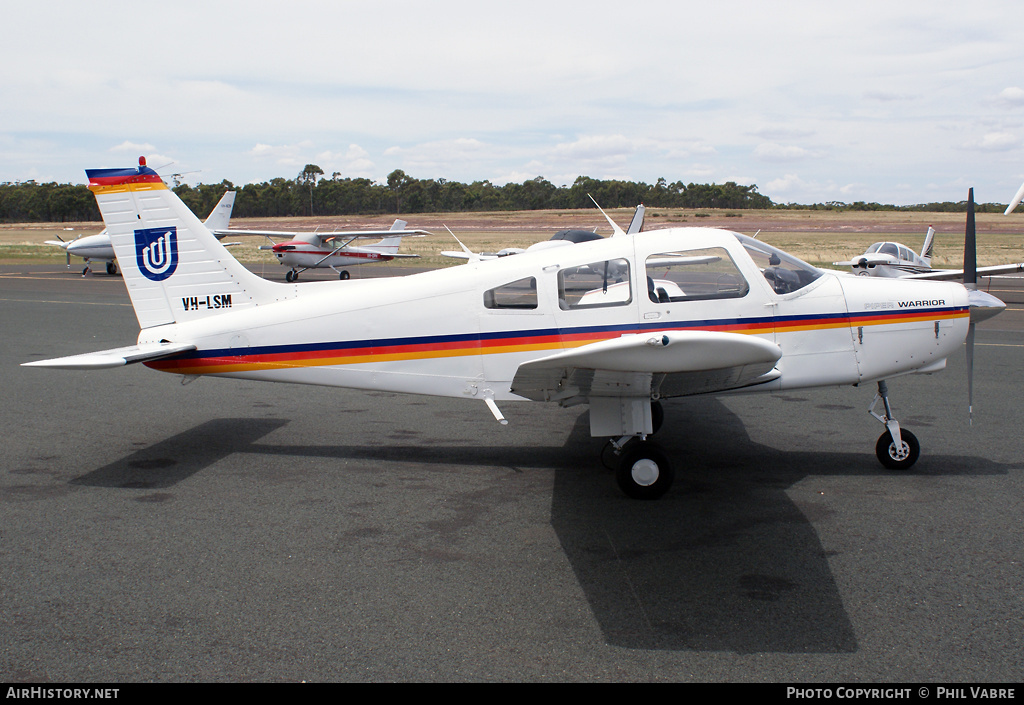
(783, 271)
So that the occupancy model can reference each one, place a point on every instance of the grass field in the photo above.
(819, 237)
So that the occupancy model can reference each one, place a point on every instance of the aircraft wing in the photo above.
(117, 357)
(673, 363)
(325, 236)
(941, 274)
(868, 259)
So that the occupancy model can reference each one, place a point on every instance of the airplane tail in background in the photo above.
(174, 268)
(220, 216)
(390, 245)
(929, 246)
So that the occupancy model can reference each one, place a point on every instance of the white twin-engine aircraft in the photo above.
(304, 251)
(617, 323)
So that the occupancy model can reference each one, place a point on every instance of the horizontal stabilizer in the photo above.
(118, 357)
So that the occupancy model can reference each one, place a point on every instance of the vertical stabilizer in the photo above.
(174, 268)
(220, 216)
(929, 245)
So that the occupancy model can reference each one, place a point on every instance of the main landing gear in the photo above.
(643, 470)
(111, 268)
(293, 275)
(897, 448)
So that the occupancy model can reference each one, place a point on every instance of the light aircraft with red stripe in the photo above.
(616, 323)
(302, 251)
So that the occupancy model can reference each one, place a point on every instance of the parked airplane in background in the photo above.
(98, 248)
(583, 323)
(562, 236)
(305, 251)
(894, 259)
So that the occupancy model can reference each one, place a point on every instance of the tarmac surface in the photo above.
(227, 530)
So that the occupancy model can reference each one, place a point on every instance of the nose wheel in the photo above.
(897, 448)
(899, 457)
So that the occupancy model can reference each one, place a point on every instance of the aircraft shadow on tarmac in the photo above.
(726, 561)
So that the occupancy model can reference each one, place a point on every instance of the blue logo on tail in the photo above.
(156, 251)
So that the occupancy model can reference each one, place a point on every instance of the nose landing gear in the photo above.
(896, 449)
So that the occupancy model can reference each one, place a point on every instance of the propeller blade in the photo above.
(970, 246)
(970, 374)
(971, 282)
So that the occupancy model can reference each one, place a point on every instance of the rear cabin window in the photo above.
(694, 275)
(594, 285)
(520, 294)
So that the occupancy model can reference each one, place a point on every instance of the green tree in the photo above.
(308, 177)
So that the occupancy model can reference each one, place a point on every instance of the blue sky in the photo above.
(897, 102)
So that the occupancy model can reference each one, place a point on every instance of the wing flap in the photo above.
(675, 362)
(117, 357)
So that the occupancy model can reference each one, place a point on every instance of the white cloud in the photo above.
(896, 93)
(774, 152)
(995, 142)
(1012, 96)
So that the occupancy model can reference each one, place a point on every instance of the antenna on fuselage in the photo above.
(615, 228)
(473, 257)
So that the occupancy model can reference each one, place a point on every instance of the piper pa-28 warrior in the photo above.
(98, 248)
(305, 251)
(894, 259)
(618, 323)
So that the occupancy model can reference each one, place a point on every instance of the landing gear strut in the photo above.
(642, 468)
(897, 449)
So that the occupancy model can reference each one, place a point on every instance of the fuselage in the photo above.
(465, 330)
(92, 247)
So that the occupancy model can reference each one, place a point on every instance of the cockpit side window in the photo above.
(520, 294)
(694, 275)
(595, 284)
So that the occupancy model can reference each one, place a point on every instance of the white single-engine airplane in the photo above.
(98, 248)
(305, 251)
(896, 260)
(617, 323)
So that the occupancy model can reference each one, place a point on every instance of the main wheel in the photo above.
(898, 458)
(111, 268)
(343, 274)
(644, 471)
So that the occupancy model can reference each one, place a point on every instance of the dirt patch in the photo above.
(819, 237)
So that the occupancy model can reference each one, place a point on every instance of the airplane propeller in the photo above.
(982, 304)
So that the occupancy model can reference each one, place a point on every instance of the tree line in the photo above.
(311, 193)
